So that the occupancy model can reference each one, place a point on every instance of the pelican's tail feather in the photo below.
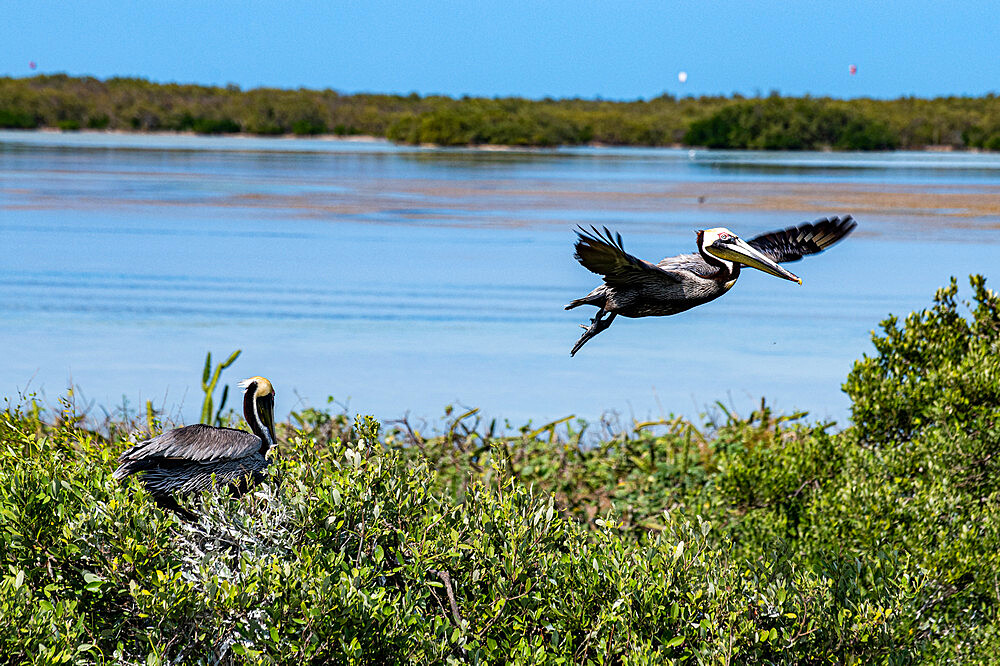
(596, 297)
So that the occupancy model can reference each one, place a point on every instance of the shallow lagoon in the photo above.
(401, 280)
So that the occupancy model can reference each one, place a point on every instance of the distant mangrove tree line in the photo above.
(770, 123)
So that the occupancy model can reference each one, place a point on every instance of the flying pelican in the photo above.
(636, 288)
(184, 460)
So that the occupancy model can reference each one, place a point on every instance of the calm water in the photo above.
(400, 280)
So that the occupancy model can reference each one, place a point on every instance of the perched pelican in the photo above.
(184, 460)
(636, 288)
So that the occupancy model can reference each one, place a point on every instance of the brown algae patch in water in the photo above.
(360, 198)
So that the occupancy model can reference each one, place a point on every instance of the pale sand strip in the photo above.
(952, 205)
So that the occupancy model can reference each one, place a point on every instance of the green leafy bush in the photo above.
(758, 539)
(938, 370)
(778, 123)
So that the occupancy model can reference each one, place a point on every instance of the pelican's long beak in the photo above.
(738, 250)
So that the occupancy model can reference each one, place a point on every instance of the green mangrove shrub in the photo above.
(774, 122)
(756, 539)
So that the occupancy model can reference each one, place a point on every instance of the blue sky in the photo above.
(615, 50)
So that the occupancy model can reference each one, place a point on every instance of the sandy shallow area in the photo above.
(454, 188)
(953, 205)
(972, 201)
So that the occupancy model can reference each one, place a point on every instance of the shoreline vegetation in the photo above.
(766, 123)
(757, 539)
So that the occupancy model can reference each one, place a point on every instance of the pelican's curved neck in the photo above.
(258, 426)
(725, 270)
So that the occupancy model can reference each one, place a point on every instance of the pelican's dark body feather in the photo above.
(182, 461)
(633, 287)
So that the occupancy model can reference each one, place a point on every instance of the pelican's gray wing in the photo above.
(793, 243)
(198, 443)
(604, 254)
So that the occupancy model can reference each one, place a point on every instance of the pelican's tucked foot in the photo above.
(598, 324)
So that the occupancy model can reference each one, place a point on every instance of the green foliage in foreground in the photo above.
(774, 122)
(763, 539)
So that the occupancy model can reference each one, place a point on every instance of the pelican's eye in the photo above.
(725, 237)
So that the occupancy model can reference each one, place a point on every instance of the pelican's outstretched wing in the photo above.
(793, 243)
(604, 254)
(193, 443)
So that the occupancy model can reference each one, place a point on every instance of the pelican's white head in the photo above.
(258, 408)
(262, 386)
(724, 245)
